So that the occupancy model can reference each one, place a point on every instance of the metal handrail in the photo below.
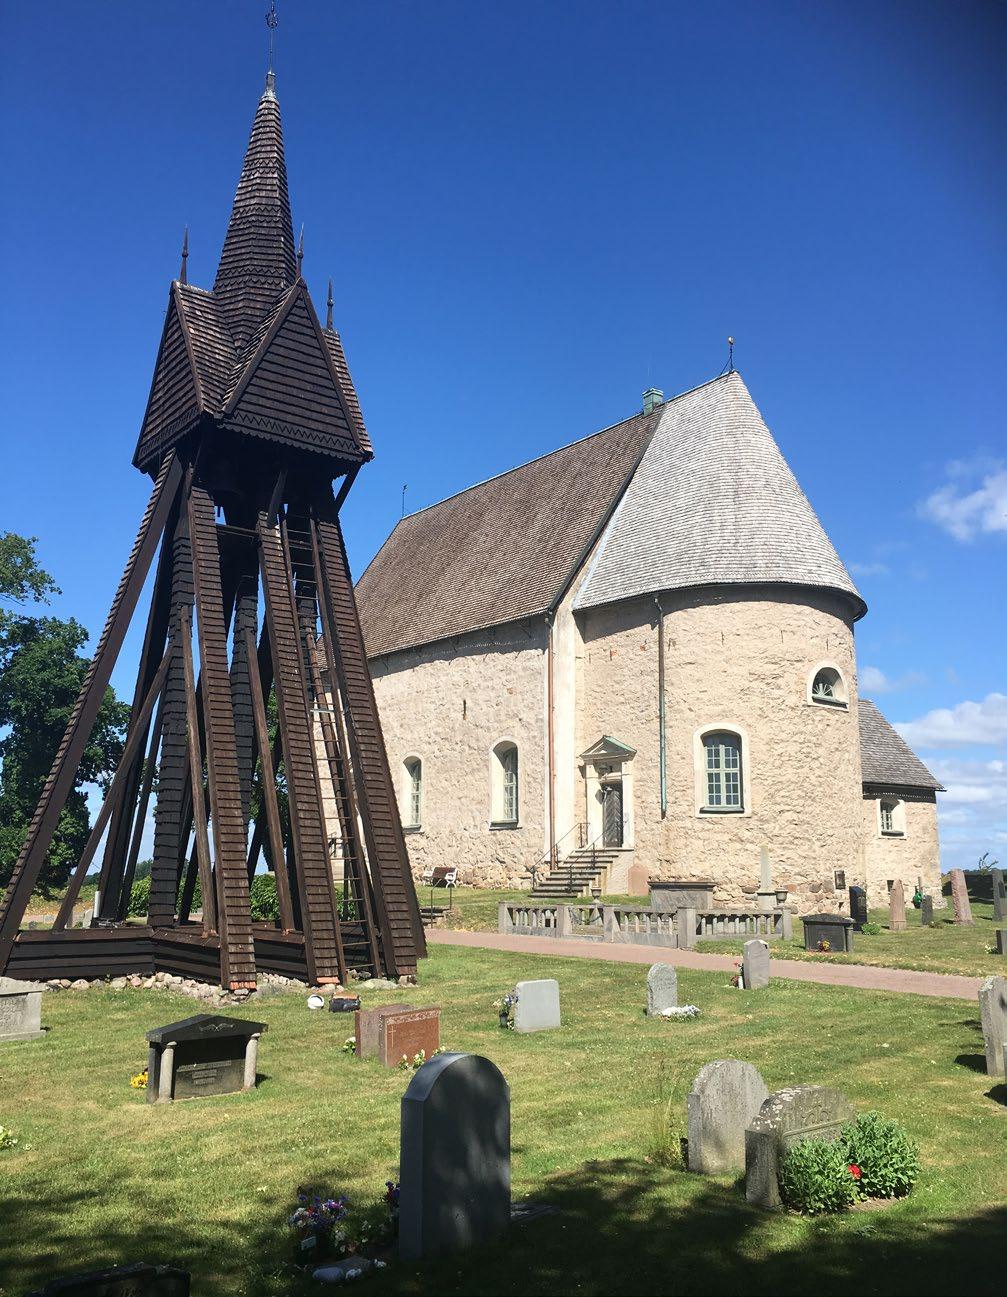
(552, 855)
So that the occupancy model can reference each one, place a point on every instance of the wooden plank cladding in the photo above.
(307, 820)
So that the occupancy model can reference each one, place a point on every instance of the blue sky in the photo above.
(532, 212)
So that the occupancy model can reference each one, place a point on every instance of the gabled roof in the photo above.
(886, 759)
(251, 355)
(501, 551)
(607, 746)
(713, 502)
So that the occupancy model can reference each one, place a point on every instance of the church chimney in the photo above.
(652, 398)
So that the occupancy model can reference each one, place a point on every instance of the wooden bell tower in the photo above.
(252, 417)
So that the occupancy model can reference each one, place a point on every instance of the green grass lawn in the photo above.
(101, 1177)
(946, 948)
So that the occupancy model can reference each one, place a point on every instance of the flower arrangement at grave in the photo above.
(872, 1158)
(738, 977)
(411, 1065)
(680, 1012)
(505, 1008)
(139, 1080)
(317, 1225)
(349, 1046)
(825, 945)
(7, 1138)
(329, 1228)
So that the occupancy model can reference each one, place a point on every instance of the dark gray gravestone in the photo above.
(20, 1010)
(662, 989)
(836, 929)
(785, 1118)
(999, 894)
(200, 1056)
(926, 911)
(725, 1097)
(993, 1014)
(755, 964)
(858, 907)
(1001, 941)
(454, 1159)
(139, 1280)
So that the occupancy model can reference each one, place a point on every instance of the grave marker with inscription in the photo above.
(785, 1118)
(993, 1014)
(408, 1033)
(20, 1010)
(201, 1056)
(858, 907)
(725, 1097)
(662, 989)
(537, 1007)
(960, 897)
(368, 1030)
(897, 921)
(755, 964)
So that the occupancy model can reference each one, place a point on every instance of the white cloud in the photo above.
(973, 812)
(870, 569)
(951, 727)
(874, 681)
(966, 513)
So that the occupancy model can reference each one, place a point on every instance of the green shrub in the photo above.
(871, 929)
(889, 1161)
(262, 894)
(139, 898)
(815, 1177)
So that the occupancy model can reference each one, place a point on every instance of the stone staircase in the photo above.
(574, 875)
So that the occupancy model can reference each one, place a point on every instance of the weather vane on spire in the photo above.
(271, 21)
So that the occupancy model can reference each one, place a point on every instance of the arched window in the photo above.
(892, 818)
(722, 772)
(827, 688)
(505, 784)
(414, 793)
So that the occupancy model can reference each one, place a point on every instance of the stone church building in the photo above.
(638, 650)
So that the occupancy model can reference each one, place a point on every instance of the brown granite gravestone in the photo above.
(138, 1280)
(368, 1030)
(785, 1118)
(960, 897)
(200, 1056)
(406, 1034)
(897, 907)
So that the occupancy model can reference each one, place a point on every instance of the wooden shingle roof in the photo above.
(886, 759)
(251, 356)
(501, 551)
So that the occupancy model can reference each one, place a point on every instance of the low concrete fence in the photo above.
(640, 925)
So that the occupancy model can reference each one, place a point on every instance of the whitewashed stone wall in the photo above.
(916, 855)
(449, 704)
(741, 660)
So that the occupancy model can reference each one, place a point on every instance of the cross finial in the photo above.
(300, 252)
(730, 355)
(328, 311)
(183, 274)
(271, 21)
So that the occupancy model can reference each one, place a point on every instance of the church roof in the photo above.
(251, 355)
(503, 550)
(885, 757)
(712, 503)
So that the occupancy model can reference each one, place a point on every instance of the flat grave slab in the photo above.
(139, 1280)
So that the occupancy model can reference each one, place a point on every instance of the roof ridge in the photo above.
(578, 441)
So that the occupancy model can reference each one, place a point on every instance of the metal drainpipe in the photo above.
(660, 705)
(551, 774)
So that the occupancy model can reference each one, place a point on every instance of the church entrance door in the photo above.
(611, 807)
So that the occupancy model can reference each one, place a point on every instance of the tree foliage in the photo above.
(41, 671)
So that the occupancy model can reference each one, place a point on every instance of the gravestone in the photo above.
(410, 1032)
(960, 897)
(993, 1013)
(20, 1010)
(999, 894)
(138, 1280)
(926, 911)
(681, 893)
(858, 907)
(1001, 941)
(897, 907)
(724, 1100)
(785, 1118)
(836, 929)
(537, 1007)
(368, 1030)
(202, 1056)
(662, 989)
(454, 1163)
(755, 964)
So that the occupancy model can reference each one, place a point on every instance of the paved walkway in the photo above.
(947, 985)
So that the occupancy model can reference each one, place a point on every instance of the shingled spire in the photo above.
(258, 262)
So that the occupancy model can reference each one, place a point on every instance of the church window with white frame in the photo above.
(722, 772)
(505, 788)
(414, 793)
(828, 688)
(891, 818)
